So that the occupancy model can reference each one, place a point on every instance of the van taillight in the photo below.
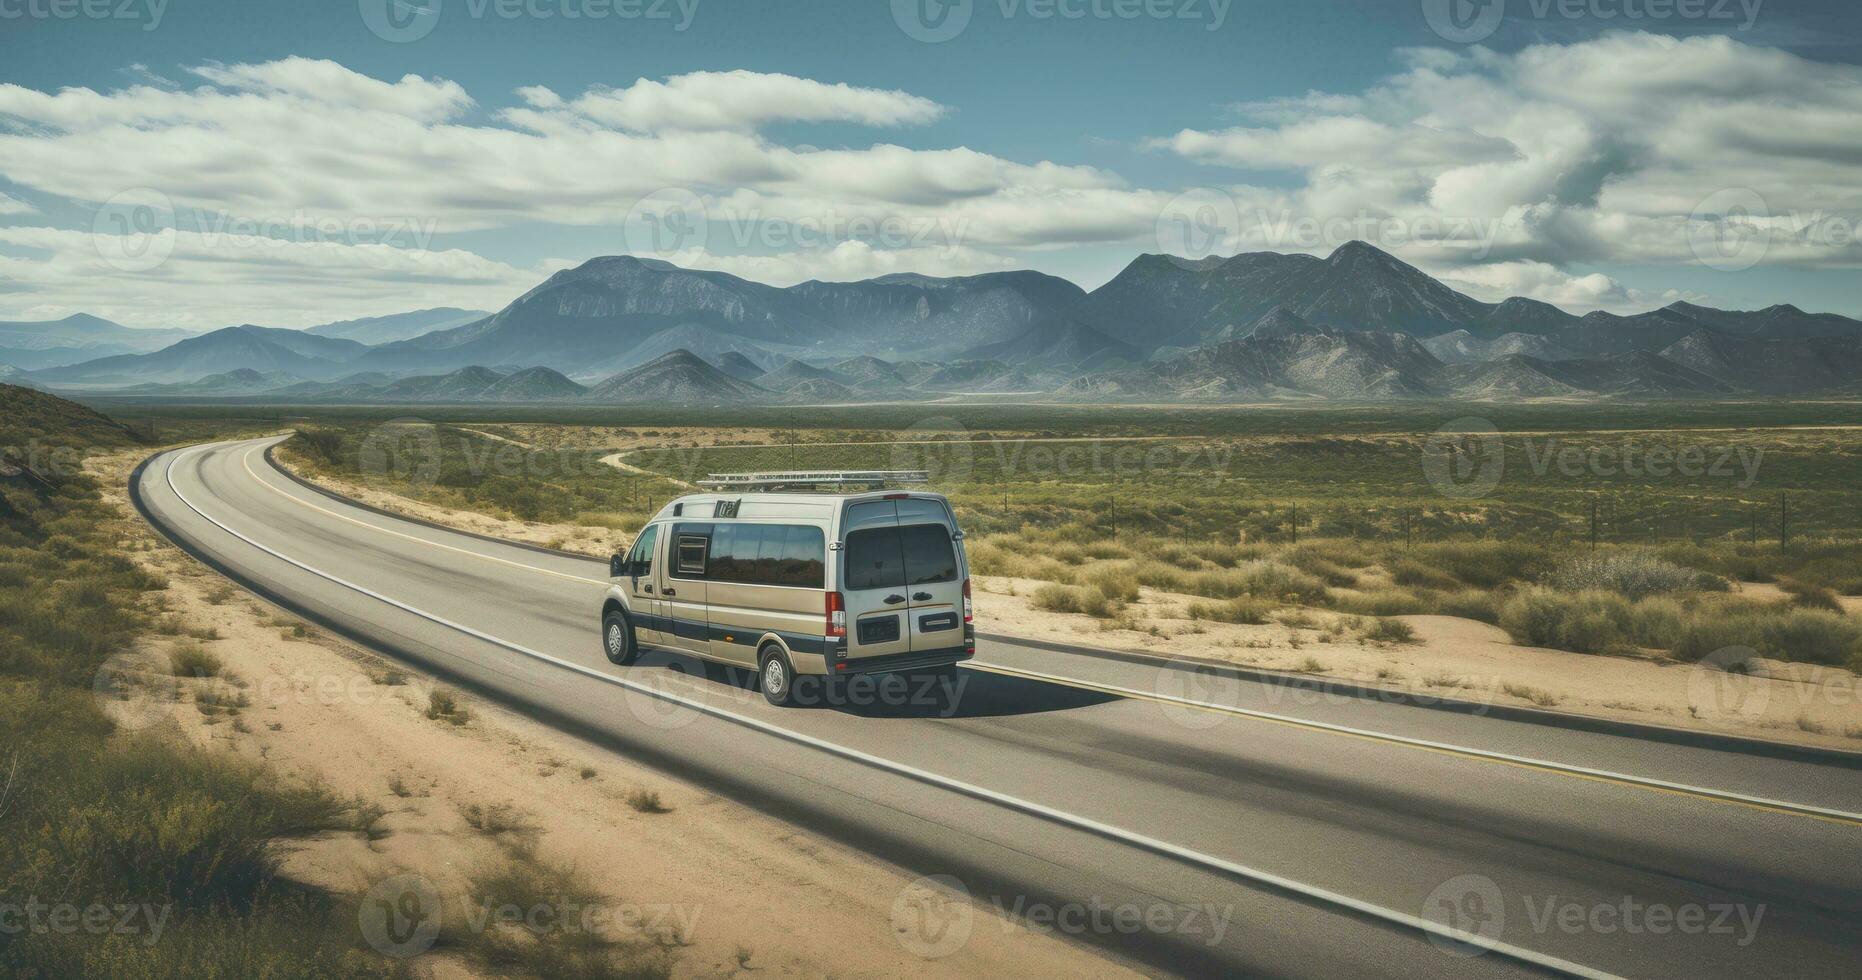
(837, 615)
(969, 611)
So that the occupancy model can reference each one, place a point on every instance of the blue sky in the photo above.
(1579, 157)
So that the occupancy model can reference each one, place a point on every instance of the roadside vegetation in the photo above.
(1253, 514)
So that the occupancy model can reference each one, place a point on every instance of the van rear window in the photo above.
(893, 557)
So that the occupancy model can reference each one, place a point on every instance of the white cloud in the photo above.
(1599, 151)
(207, 281)
(13, 205)
(746, 100)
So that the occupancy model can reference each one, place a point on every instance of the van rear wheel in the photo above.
(777, 677)
(617, 638)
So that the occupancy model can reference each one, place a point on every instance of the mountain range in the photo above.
(1359, 323)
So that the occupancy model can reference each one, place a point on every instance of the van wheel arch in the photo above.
(782, 694)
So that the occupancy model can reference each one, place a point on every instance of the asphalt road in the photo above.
(1187, 823)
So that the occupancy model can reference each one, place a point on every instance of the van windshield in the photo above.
(894, 557)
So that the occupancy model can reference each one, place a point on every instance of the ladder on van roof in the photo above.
(814, 479)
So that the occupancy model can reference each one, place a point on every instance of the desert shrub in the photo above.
(1381, 602)
(1582, 622)
(1410, 572)
(1389, 631)
(1630, 574)
(193, 660)
(1113, 579)
(1074, 599)
(1811, 596)
(1477, 604)
(1803, 635)
(1487, 563)
(1246, 610)
(324, 444)
(1310, 559)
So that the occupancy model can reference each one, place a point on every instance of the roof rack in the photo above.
(813, 479)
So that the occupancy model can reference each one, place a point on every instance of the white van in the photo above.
(790, 584)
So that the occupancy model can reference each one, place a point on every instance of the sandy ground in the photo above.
(1465, 659)
(699, 879)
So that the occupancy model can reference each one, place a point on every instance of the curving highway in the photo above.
(1265, 831)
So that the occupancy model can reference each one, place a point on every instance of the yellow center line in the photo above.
(1835, 817)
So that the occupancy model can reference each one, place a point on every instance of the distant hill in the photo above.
(679, 378)
(36, 345)
(262, 349)
(397, 326)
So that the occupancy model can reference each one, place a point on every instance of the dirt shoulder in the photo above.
(684, 872)
(1462, 659)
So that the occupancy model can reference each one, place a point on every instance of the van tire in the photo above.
(776, 676)
(617, 638)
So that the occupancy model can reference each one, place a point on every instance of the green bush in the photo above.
(1630, 574)
(1802, 635)
(1811, 596)
(1114, 579)
(1390, 631)
(1075, 599)
(1583, 622)
(1245, 610)
(1477, 604)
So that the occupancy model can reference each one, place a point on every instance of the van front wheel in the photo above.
(777, 677)
(617, 639)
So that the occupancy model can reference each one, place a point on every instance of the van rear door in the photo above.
(873, 588)
(933, 586)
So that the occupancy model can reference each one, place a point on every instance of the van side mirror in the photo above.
(617, 566)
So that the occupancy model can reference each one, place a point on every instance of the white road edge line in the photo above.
(1062, 817)
(1662, 784)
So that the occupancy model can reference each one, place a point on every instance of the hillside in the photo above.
(679, 378)
(29, 417)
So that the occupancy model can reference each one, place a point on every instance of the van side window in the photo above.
(640, 559)
(768, 554)
(929, 558)
(691, 556)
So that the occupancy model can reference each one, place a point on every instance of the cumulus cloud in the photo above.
(746, 100)
(1599, 151)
